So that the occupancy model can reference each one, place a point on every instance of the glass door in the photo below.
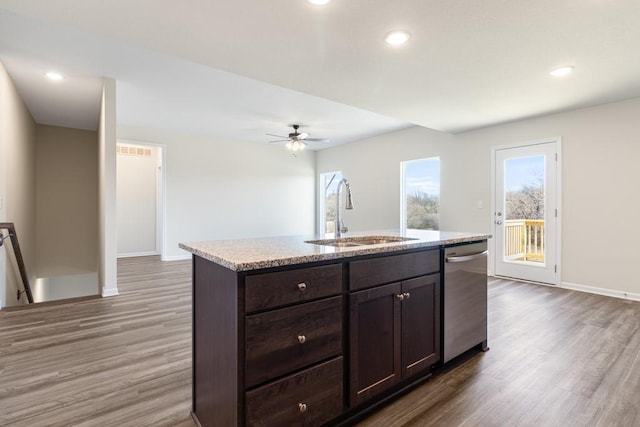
(525, 214)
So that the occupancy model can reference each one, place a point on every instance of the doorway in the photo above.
(139, 199)
(526, 218)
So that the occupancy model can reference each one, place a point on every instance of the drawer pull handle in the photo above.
(406, 295)
(400, 296)
(302, 339)
(302, 407)
(302, 286)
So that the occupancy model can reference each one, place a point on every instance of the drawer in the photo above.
(270, 290)
(280, 403)
(281, 341)
(378, 271)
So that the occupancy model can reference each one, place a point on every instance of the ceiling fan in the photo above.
(296, 141)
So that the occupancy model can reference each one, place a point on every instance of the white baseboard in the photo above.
(176, 257)
(110, 292)
(600, 291)
(137, 254)
(582, 288)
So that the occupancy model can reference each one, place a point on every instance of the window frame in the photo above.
(403, 189)
(322, 197)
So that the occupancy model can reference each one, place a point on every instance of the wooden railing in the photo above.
(524, 239)
(19, 260)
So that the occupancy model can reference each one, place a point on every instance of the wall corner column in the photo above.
(107, 263)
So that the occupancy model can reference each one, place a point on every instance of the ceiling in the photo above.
(245, 68)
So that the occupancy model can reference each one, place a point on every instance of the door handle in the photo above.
(499, 222)
(464, 258)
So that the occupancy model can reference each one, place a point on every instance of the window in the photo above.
(328, 189)
(420, 194)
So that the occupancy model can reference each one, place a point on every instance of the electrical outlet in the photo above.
(1, 202)
(480, 204)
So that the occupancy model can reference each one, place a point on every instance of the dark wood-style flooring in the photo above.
(557, 358)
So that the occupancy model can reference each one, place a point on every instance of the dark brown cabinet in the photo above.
(282, 341)
(309, 398)
(270, 345)
(394, 330)
(420, 324)
(374, 342)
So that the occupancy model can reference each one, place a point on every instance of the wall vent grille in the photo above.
(129, 150)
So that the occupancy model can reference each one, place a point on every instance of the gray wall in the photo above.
(67, 200)
(599, 205)
(17, 187)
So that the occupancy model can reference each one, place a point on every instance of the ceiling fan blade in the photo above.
(277, 136)
(278, 140)
(317, 139)
(303, 135)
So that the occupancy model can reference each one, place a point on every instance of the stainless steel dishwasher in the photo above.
(464, 299)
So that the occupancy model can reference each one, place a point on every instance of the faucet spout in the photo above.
(340, 228)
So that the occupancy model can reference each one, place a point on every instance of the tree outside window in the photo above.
(420, 203)
(329, 188)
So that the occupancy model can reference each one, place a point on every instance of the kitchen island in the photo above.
(288, 332)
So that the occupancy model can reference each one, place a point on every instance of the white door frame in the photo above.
(558, 240)
(161, 199)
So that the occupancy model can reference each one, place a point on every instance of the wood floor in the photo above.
(119, 361)
(557, 358)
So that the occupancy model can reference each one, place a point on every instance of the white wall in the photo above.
(17, 187)
(600, 152)
(136, 202)
(67, 201)
(222, 189)
(107, 241)
(63, 287)
(372, 168)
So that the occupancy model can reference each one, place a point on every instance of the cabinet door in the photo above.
(420, 324)
(374, 341)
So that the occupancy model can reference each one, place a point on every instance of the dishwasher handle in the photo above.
(465, 258)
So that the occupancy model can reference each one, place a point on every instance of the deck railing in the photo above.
(524, 239)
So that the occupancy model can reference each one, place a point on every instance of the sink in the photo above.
(360, 241)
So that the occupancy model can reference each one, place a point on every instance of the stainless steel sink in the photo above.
(359, 241)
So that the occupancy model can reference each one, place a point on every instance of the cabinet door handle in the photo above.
(302, 286)
(302, 339)
(400, 296)
(407, 295)
(302, 407)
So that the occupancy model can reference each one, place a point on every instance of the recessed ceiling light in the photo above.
(55, 76)
(562, 71)
(397, 37)
(319, 2)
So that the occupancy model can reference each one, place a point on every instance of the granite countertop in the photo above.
(266, 252)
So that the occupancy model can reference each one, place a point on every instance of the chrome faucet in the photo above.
(340, 228)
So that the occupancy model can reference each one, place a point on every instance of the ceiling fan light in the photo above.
(296, 145)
